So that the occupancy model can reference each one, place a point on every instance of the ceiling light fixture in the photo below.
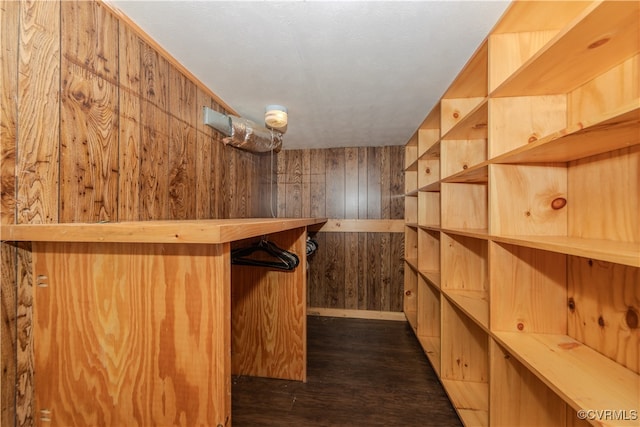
(275, 117)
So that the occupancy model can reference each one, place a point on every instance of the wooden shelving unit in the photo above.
(523, 259)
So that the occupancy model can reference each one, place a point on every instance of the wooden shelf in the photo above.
(626, 253)
(470, 400)
(529, 235)
(431, 347)
(616, 129)
(431, 276)
(581, 376)
(474, 304)
(413, 263)
(412, 167)
(471, 82)
(476, 233)
(412, 318)
(473, 125)
(173, 231)
(606, 35)
(476, 174)
(433, 187)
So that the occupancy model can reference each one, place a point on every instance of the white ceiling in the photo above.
(352, 73)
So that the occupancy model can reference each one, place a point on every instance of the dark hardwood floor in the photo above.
(359, 373)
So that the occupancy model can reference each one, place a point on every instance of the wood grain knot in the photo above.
(465, 167)
(599, 43)
(568, 345)
(456, 114)
(631, 318)
(408, 293)
(527, 213)
(428, 170)
(480, 126)
(601, 321)
(571, 304)
(533, 138)
(558, 203)
(520, 326)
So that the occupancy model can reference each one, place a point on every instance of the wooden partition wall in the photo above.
(358, 265)
(98, 123)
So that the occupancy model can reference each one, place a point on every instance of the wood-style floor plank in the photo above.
(360, 373)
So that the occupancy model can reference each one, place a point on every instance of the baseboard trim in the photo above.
(357, 314)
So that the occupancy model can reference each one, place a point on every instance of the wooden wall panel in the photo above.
(98, 123)
(9, 24)
(8, 342)
(9, 20)
(88, 146)
(130, 126)
(142, 378)
(350, 270)
(37, 149)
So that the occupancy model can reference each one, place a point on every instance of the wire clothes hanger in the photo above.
(270, 256)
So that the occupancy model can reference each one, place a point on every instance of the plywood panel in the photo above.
(351, 165)
(351, 278)
(269, 315)
(335, 181)
(334, 271)
(38, 113)
(9, 22)
(363, 270)
(182, 97)
(363, 182)
(25, 385)
(90, 38)
(182, 173)
(317, 183)
(129, 156)
(149, 347)
(8, 339)
(155, 78)
(89, 146)
(154, 163)
(374, 174)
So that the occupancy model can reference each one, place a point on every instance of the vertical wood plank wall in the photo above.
(98, 124)
(361, 271)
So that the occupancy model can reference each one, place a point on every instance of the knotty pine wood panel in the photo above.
(38, 113)
(269, 314)
(149, 348)
(88, 146)
(604, 307)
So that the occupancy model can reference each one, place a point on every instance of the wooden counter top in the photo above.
(169, 231)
